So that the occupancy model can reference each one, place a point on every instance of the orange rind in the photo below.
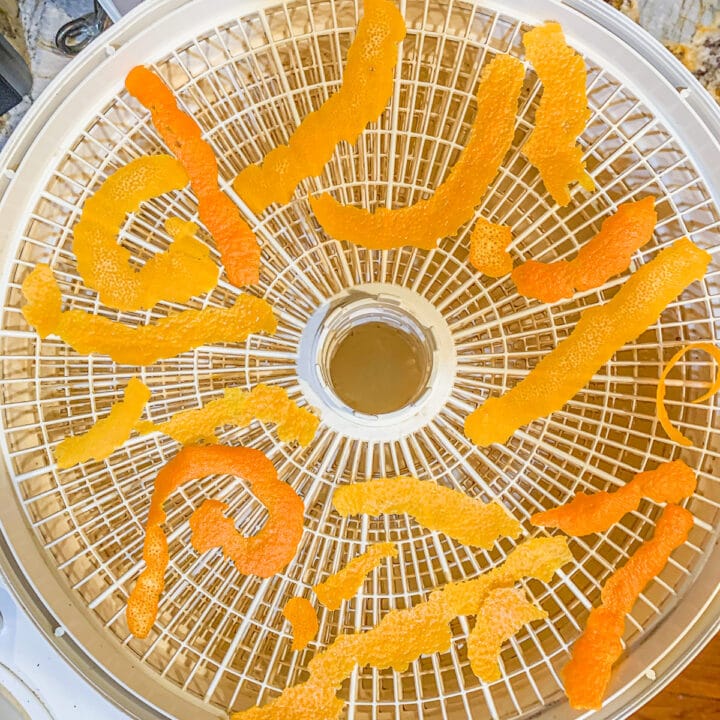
(301, 615)
(488, 248)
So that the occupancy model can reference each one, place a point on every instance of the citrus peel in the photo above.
(301, 615)
(488, 248)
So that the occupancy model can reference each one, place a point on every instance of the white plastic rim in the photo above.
(72, 539)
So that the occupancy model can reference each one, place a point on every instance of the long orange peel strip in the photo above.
(561, 114)
(465, 519)
(670, 482)
(267, 403)
(662, 413)
(607, 254)
(488, 248)
(185, 269)
(345, 583)
(142, 345)
(108, 434)
(453, 202)
(301, 615)
(234, 239)
(599, 333)
(504, 612)
(367, 85)
(264, 554)
(587, 675)
(402, 636)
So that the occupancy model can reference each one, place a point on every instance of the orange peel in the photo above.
(465, 519)
(503, 613)
(670, 482)
(185, 269)
(345, 583)
(453, 202)
(402, 636)
(234, 239)
(607, 254)
(367, 85)
(674, 434)
(267, 403)
(301, 615)
(108, 434)
(488, 248)
(587, 675)
(561, 114)
(143, 345)
(599, 333)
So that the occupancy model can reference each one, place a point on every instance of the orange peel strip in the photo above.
(234, 239)
(402, 636)
(465, 519)
(367, 85)
(670, 482)
(185, 269)
(453, 202)
(300, 613)
(587, 675)
(562, 113)
(267, 403)
(503, 613)
(488, 248)
(674, 434)
(196, 462)
(108, 434)
(600, 332)
(345, 583)
(607, 254)
(143, 345)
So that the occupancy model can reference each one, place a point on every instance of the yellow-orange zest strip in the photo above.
(488, 248)
(300, 613)
(145, 344)
(402, 636)
(562, 113)
(465, 519)
(366, 87)
(600, 332)
(453, 202)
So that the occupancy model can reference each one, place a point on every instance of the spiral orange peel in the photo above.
(145, 344)
(453, 202)
(609, 253)
(488, 248)
(561, 114)
(465, 519)
(670, 482)
(301, 615)
(599, 333)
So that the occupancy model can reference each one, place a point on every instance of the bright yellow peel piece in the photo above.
(300, 613)
(488, 248)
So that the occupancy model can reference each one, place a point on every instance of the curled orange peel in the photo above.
(670, 482)
(145, 344)
(587, 675)
(267, 403)
(607, 254)
(367, 85)
(185, 269)
(561, 114)
(301, 615)
(674, 434)
(488, 248)
(465, 519)
(345, 583)
(108, 434)
(402, 636)
(504, 612)
(234, 239)
(453, 202)
(599, 333)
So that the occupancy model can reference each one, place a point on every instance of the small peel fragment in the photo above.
(300, 613)
(599, 333)
(488, 248)
(145, 344)
(345, 583)
(670, 482)
(504, 612)
(465, 519)
(455, 199)
(562, 113)
(674, 434)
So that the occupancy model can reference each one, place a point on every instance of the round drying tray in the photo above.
(248, 71)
